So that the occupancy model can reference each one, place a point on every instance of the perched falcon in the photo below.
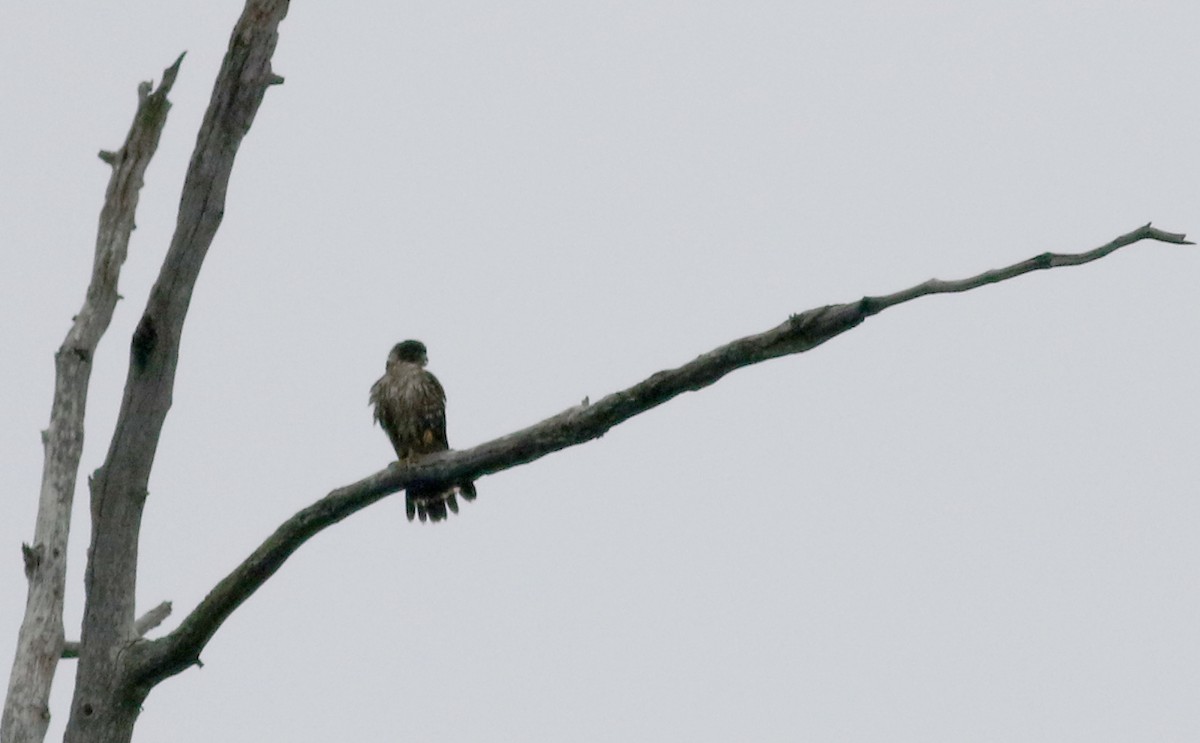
(411, 406)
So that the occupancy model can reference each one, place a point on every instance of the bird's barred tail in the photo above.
(431, 504)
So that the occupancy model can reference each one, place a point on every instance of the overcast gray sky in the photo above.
(974, 518)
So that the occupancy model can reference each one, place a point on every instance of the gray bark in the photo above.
(106, 702)
(166, 656)
(40, 639)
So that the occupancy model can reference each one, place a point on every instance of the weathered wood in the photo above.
(40, 641)
(168, 655)
(106, 705)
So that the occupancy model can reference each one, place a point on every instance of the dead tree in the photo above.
(117, 665)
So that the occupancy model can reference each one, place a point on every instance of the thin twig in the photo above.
(144, 624)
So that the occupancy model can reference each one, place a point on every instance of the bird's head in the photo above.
(409, 352)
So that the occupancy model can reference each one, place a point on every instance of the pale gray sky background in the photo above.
(975, 518)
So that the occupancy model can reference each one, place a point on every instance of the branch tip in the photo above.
(152, 618)
(168, 78)
(109, 157)
(1152, 232)
(1177, 238)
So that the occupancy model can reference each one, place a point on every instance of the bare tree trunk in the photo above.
(40, 641)
(107, 698)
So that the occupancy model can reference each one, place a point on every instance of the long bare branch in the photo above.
(171, 654)
(40, 641)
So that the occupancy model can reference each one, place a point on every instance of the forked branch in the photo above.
(119, 486)
(171, 654)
